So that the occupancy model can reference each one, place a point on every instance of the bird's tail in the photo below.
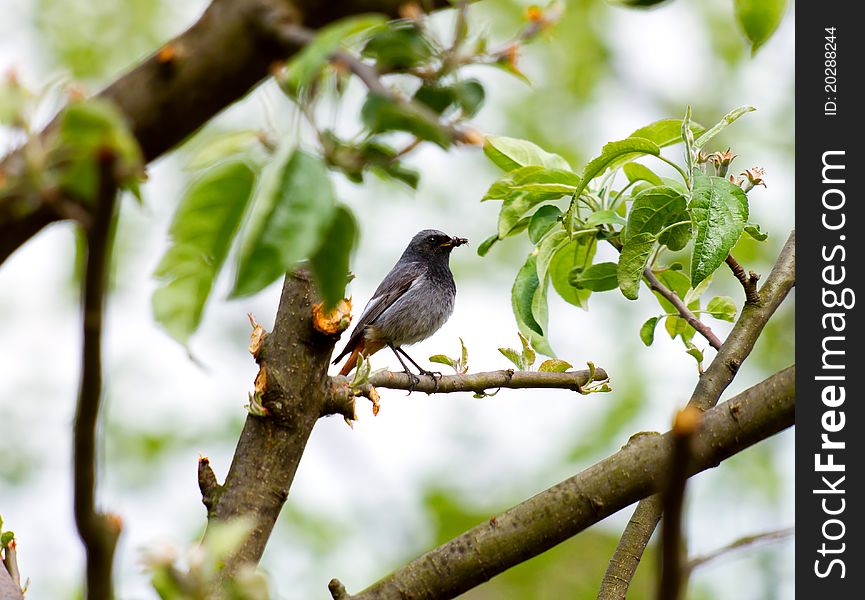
(363, 348)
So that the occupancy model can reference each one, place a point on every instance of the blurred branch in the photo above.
(98, 531)
(741, 543)
(748, 280)
(685, 312)
(183, 85)
(672, 570)
(568, 508)
(711, 385)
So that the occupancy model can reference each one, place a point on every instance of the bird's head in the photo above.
(432, 242)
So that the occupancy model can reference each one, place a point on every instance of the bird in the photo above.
(411, 303)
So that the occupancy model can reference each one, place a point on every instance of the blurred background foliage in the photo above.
(367, 500)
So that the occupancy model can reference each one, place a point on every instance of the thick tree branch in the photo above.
(98, 531)
(293, 387)
(172, 93)
(683, 310)
(570, 507)
(711, 385)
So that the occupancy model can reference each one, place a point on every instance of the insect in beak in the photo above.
(454, 242)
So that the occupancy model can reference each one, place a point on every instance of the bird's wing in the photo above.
(392, 288)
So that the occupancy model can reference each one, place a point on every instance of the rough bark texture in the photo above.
(167, 97)
(295, 358)
(573, 505)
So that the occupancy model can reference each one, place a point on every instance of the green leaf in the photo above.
(576, 254)
(600, 277)
(216, 148)
(542, 221)
(382, 113)
(513, 356)
(294, 207)
(632, 261)
(554, 365)
(665, 132)
(443, 360)
(86, 131)
(401, 45)
(331, 261)
(516, 206)
(528, 354)
(654, 209)
(306, 65)
(613, 151)
(678, 282)
(720, 211)
(555, 182)
(470, 96)
(759, 19)
(635, 171)
(438, 98)
(5, 538)
(603, 217)
(729, 118)
(647, 331)
(488, 243)
(548, 247)
(753, 229)
(522, 294)
(204, 226)
(722, 307)
(510, 153)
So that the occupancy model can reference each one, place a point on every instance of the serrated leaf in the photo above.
(510, 153)
(294, 206)
(635, 171)
(759, 19)
(204, 226)
(330, 262)
(647, 331)
(527, 178)
(719, 210)
(578, 253)
(513, 356)
(632, 261)
(603, 217)
(722, 307)
(729, 118)
(600, 277)
(554, 365)
(542, 221)
(654, 209)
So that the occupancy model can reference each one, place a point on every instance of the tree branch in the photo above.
(743, 542)
(576, 503)
(98, 531)
(711, 385)
(683, 310)
(212, 64)
(748, 281)
(293, 387)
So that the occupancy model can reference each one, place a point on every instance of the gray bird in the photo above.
(412, 302)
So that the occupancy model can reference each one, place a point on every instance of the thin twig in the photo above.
(683, 310)
(743, 542)
(748, 280)
(98, 531)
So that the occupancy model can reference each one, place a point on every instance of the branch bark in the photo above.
(711, 385)
(683, 310)
(98, 531)
(576, 503)
(170, 95)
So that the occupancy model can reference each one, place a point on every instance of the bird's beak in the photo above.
(454, 242)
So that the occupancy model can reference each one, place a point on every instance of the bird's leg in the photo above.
(434, 374)
(412, 377)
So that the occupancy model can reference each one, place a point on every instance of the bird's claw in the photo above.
(435, 376)
(413, 379)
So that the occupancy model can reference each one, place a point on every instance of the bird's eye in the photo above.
(431, 239)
